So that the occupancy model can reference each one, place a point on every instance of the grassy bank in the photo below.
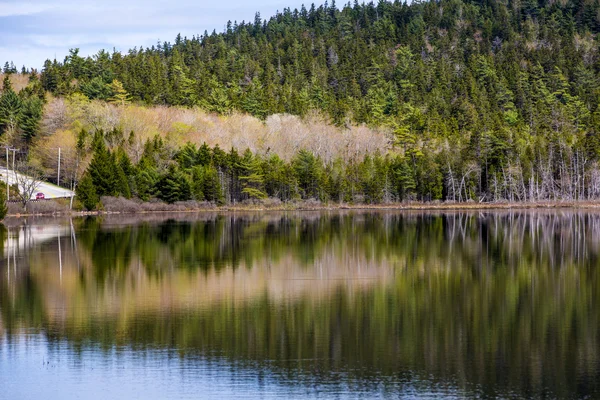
(112, 205)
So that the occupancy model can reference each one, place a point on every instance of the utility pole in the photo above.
(58, 174)
(7, 185)
(14, 151)
(14, 172)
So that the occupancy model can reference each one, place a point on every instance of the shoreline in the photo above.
(312, 206)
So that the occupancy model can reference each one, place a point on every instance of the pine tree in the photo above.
(204, 155)
(174, 186)
(101, 168)
(279, 179)
(10, 109)
(31, 115)
(198, 183)
(97, 89)
(253, 101)
(187, 157)
(6, 84)
(121, 183)
(118, 93)
(211, 186)
(308, 172)
(252, 177)
(337, 184)
(146, 181)
(405, 179)
(86, 192)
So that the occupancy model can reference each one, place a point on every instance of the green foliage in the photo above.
(404, 178)
(309, 172)
(145, 181)
(174, 186)
(118, 94)
(110, 172)
(86, 192)
(3, 205)
(481, 101)
(210, 174)
(372, 179)
(101, 168)
(279, 179)
(21, 113)
(252, 177)
(96, 88)
(10, 110)
(211, 186)
(121, 183)
(366, 63)
(31, 116)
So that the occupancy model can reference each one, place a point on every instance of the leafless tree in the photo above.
(28, 180)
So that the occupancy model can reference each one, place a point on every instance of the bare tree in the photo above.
(28, 180)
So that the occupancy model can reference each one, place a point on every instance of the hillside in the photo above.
(481, 101)
(469, 65)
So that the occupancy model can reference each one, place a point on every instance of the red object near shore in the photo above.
(40, 196)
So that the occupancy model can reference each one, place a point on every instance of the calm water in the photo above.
(296, 305)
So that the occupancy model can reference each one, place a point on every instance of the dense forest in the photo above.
(481, 100)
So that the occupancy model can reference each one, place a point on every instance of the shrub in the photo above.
(86, 192)
(3, 207)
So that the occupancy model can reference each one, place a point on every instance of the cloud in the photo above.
(17, 9)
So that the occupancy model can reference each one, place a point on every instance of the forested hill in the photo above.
(471, 66)
(438, 100)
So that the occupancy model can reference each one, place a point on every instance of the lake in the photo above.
(344, 304)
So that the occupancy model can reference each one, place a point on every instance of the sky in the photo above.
(32, 31)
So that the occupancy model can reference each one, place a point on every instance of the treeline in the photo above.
(228, 177)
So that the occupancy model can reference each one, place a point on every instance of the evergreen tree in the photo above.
(204, 155)
(279, 179)
(146, 181)
(211, 186)
(96, 88)
(3, 205)
(10, 109)
(121, 183)
(405, 179)
(31, 115)
(308, 170)
(174, 186)
(198, 183)
(86, 192)
(102, 168)
(251, 176)
(118, 94)
(187, 157)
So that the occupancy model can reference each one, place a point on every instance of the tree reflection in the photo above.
(507, 301)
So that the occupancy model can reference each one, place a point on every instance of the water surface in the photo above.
(295, 305)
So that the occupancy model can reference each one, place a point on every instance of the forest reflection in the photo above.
(505, 302)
